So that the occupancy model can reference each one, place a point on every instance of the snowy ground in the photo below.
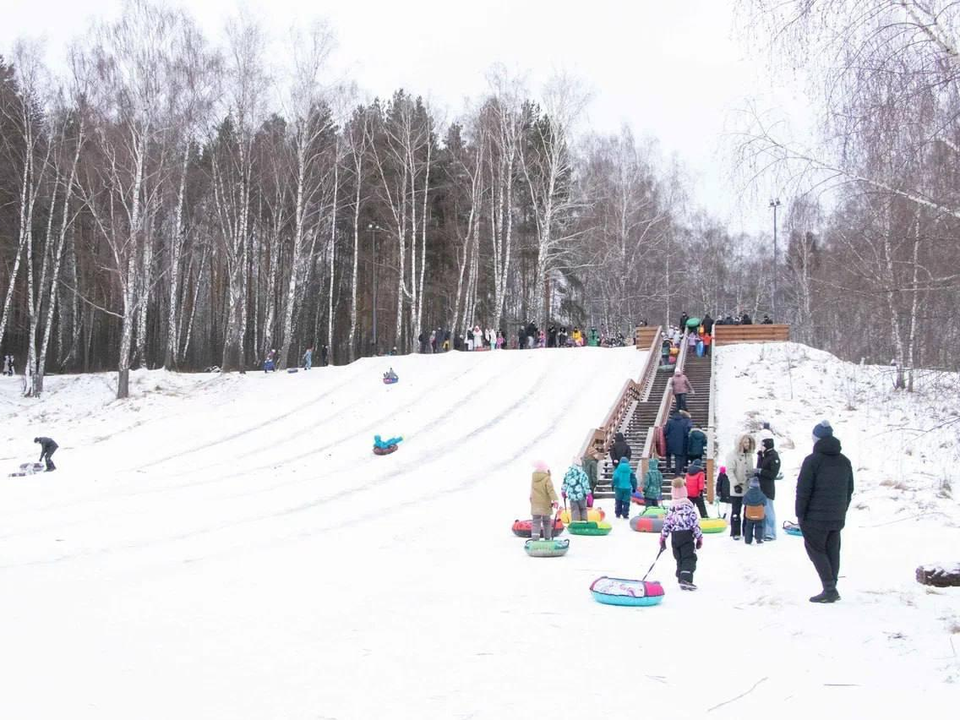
(230, 548)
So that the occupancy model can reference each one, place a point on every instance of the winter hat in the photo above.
(723, 469)
(678, 490)
(768, 443)
(541, 466)
(755, 481)
(822, 429)
(695, 467)
(576, 462)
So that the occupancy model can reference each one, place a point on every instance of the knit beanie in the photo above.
(723, 469)
(822, 429)
(678, 489)
(541, 466)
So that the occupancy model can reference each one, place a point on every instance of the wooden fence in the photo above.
(730, 334)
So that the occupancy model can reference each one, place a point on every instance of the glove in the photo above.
(663, 545)
(738, 488)
(590, 499)
(556, 505)
(563, 494)
(699, 543)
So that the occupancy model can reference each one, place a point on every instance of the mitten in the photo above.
(563, 494)
(699, 543)
(738, 488)
(663, 545)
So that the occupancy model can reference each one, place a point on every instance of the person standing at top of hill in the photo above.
(745, 319)
(824, 490)
(681, 386)
(766, 320)
(707, 323)
(683, 321)
(620, 449)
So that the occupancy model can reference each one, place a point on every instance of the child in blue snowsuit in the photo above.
(753, 510)
(682, 524)
(384, 444)
(624, 483)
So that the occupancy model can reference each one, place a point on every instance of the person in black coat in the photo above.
(620, 449)
(552, 336)
(745, 320)
(683, 321)
(677, 434)
(824, 490)
(707, 323)
(47, 448)
(324, 352)
(768, 467)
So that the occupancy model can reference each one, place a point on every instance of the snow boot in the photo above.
(827, 596)
(687, 585)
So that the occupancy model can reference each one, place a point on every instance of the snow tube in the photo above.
(637, 498)
(522, 528)
(590, 528)
(293, 370)
(384, 451)
(646, 523)
(791, 528)
(713, 525)
(390, 381)
(693, 323)
(700, 348)
(593, 515)
(632, 593)
(546, 548)
(674, 352)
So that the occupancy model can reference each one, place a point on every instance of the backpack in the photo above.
(755, 513)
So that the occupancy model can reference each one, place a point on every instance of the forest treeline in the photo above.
(165, 201)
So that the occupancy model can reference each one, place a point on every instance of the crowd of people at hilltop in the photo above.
(528, 337)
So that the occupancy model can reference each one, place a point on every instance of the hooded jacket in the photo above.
(542, 494)
(696, 443)
(695, 484)
(619, 449)
(653, 480)
(682, 516)
(825, 486)
(681, 384)
(723, 487)
(768, 463)
(676, 432)
(755, 496)
(740, 465)
(622, 476)
(576, 484)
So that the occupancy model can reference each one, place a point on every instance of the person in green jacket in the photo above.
(652, 483)
(624, 483)
(590, 461)
(696, 444)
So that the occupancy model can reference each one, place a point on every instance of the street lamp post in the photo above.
(374, 228)
(775, 203)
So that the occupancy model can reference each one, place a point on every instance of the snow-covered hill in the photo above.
(228, 547)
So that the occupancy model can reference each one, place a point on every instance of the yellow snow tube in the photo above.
(593, 515)
(713, 525)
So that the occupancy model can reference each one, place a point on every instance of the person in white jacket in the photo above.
(740, 467)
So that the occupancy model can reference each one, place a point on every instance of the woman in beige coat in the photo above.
(543, 501)
(740, 466)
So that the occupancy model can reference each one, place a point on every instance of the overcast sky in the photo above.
(671, 70)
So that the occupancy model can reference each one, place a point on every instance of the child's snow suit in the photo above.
(383, 444)
(753, 521)
(652, 483)
(683, 526)
(623, 485)
(542, 500)
(576, 484)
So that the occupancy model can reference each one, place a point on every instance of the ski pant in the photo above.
(752, 529)
(544, 523)
(823, 549)
(685, 553)
(622, 502)
(651, 502)
(48, 456)
(578, 509)
(681, 401)
(736, 506)
(679, 463)
(700, 504)
(770, 521)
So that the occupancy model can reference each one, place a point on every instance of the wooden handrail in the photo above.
(665, 403)
(630, 392)
(730, 334)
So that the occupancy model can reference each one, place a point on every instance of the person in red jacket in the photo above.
(696, 485)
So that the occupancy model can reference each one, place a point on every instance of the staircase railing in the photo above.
(663, 412)
(632, 391)
(730, 334)
(711, 429)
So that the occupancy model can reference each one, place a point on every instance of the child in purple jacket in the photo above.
(682, 523)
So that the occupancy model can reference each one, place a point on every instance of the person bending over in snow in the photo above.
(683, 526)
(47, 448)
(384, 444)
(576, 489)
(543, 500)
